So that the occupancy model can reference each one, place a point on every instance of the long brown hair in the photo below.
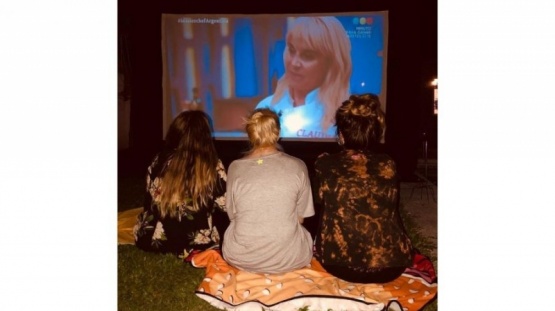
(191, 172)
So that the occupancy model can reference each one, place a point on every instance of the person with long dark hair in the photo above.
(185, 191)
(361, 237)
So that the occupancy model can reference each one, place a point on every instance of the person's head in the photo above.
(262, 127)
(190, 130)
(360, 122)
(317, 55)
(191, 172)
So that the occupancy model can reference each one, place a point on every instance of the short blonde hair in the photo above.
(263, 127)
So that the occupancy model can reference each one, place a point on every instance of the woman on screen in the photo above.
(361, 237)
(318, 68)
(268, 196)
(184, 209)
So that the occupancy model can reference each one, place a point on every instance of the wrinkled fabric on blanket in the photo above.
(126, 220)
(226, 287)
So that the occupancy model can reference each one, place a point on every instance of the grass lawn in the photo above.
(148, 281)
(158, 282)
(154, 282)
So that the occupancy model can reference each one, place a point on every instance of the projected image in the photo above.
(302, 67)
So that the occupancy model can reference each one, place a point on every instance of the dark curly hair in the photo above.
(360, 121)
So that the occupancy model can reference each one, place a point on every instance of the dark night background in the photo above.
(411, 66)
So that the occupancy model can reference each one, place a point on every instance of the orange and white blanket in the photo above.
(126, 221)
(226, 287)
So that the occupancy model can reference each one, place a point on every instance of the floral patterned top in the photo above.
(190, 230)
(360, 227)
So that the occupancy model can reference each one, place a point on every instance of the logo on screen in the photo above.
(363, 20)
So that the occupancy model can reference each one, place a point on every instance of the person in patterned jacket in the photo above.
(184, 208)
(360, 237)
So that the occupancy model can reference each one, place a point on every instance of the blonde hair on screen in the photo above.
(326, 35)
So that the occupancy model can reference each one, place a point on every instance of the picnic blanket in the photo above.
(126, 221)
(226, 287)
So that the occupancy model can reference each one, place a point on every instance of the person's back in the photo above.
(360, 196)
(268, 195)
(361, 237)
(185, 195)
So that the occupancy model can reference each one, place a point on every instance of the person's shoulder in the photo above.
(155, 159)
(384, 157)
(323, 157)
(233, 165)
(236, 162)
(289, 157)
(383, 161)
(292, 159)
(220, 165)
